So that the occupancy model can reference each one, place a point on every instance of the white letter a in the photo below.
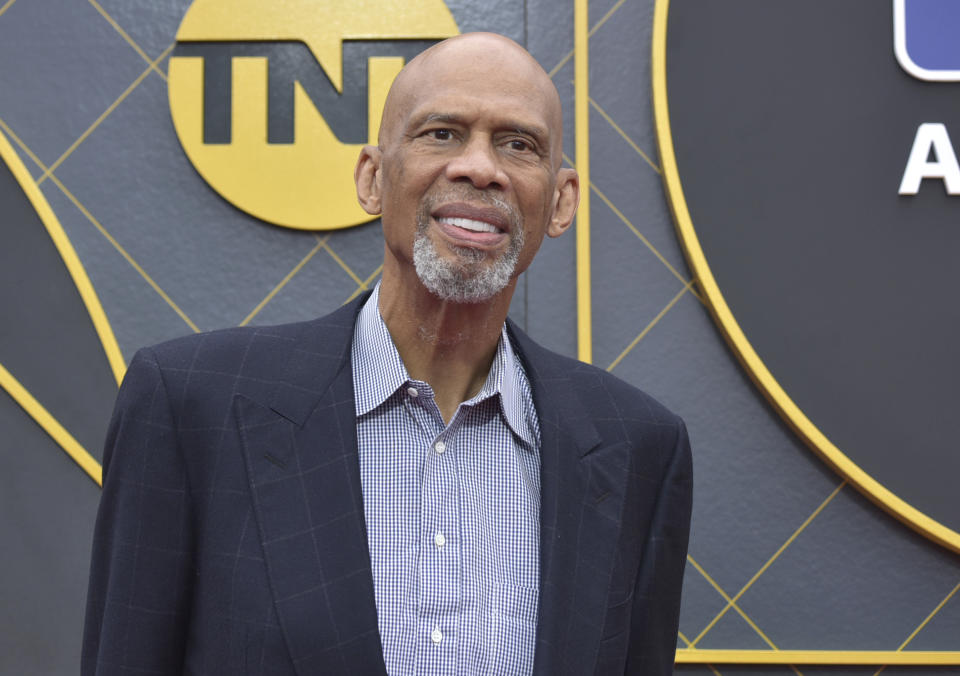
(931, 135)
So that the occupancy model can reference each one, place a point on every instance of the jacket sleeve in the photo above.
(656, 600)
(142, 563)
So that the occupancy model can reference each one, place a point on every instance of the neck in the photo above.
(446, 344)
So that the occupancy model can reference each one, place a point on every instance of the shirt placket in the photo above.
(439, 565)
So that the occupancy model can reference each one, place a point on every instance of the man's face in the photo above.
(468, 172)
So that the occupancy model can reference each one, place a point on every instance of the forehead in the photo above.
(494, 110)
(494, 86)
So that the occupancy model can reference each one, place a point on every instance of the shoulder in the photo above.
(255, 352)
(201, 373)
(586, 402)
(599, 393)
(606, 392)
(587, 395)
(206, 363)
(622, 411)
(223, 350)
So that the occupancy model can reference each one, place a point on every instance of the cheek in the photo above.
(537, 197)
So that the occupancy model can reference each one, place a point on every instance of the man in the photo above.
(409, 485)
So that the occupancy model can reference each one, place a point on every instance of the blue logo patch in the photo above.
(926, 38)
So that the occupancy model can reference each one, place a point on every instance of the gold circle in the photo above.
(307, 184)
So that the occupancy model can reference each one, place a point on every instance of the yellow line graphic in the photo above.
(776, 555)
(130, 41)
(103, 116)
(923, 624)
(581, 41)
(646, 242)
(649, 327)
(283, 282)
(929, 617)
(365, 285)
(50, 425)
(339, 261)
(624, 136)
(123, 252)
(825, 657)
(596, 27)
(730, 602)
(23, 146)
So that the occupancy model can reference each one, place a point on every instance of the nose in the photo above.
(476, 161)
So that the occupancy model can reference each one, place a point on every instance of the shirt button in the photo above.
(412, 391)
(439, 540)
(440, 447)
(436, 636)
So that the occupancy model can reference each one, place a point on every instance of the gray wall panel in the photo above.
(48, 509)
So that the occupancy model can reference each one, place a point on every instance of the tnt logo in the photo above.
(925, 38)
(272, 101)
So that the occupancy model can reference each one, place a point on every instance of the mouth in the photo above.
(467, 225)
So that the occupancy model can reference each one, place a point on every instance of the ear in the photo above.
(366, 176)
(565, 202)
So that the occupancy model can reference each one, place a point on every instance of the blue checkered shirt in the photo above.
(452, 511)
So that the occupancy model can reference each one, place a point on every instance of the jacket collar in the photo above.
(584, 484)
(317, 356)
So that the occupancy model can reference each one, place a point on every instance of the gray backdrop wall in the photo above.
(783, 553)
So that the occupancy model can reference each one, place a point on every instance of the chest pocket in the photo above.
(513, 628)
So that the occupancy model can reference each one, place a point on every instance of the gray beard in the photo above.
(464, 279)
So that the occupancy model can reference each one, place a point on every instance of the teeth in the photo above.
(470, 224)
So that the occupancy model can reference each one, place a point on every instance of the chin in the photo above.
(466, 278)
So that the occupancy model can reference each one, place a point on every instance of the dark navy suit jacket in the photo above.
(231, 535)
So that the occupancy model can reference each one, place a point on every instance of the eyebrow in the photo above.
(431, 118)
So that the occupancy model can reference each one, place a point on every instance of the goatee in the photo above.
(469, 277)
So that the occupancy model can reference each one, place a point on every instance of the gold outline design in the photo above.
(732, 332)
(51, 426)
(778, 398)
(90, 299)
(283, 282)
(826, 657)
(6, 6)
(581, 96)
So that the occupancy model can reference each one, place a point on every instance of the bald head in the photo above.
(474, 58)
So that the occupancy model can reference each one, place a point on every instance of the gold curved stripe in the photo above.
(761, 376)
(50, 425)
(69, 256)
(101, 324)
(828, 657)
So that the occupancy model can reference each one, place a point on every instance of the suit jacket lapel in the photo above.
(301, 454)
(582, 492)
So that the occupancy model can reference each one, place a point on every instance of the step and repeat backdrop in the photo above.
(774, 238)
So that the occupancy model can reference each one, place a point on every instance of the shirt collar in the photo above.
(377, 366)
(380, 371)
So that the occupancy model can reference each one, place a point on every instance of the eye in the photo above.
(440, 134)
(520, 145)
